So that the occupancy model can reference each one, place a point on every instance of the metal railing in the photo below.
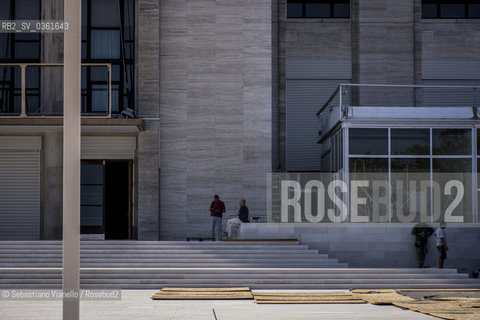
(350, 94)
(24, 113)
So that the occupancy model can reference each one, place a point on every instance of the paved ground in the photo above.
(137, 305)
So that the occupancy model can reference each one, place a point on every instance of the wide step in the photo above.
(257, 264)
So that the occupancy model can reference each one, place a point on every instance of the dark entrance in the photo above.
(117, 199)
(107, 198)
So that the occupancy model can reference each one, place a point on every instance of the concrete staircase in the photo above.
(155, 264)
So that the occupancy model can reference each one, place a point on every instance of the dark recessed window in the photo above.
(474, 10)
(18, 48)
(450, 9)
(410, 141)
(452, 141)
(318, 9)
(295, 10)
(366, 141)
(108, 38)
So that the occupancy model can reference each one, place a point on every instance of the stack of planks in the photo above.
(167, 293)
(264, 297)
(453, 304)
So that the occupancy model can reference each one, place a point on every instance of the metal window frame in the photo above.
(473, 156)
(23, 111)
(439, 3)
(304, 10)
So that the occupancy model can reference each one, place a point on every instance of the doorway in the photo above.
(106, 199)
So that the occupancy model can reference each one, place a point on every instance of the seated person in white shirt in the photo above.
(242, 217)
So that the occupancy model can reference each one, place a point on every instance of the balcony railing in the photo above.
(36, 90)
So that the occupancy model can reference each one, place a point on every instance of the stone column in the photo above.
(52, 186)
(51, 84)
(147, 90)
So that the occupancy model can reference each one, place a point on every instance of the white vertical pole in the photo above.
(71, 158)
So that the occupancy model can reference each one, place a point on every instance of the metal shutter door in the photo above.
(19, 188)
(108, 147)
(441, 97)
(457, 72)
(304, 99)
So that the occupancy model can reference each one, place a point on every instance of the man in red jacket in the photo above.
(217, 208)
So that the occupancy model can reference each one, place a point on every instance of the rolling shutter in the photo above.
(20, 188)
(456, 72)
(310, 82)
(304, 99)
(108, 147)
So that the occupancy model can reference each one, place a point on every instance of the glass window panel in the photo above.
(84, 51)
(5, 97)
(317, 10)
(129, 68)
(105, 44)
(100, 98)
(33, 103)
(84, 102)
(5, 10)
(126, 104)
(92, 195)
(451, 141)
(405, 165)
(294, 10)
(368, 141)
(27, 50)
(5, 73)
(84, 77)
(27, 36)
(429, 10)
(370, 169)
(92, 173)
(18, 79)
(128, 50)
(17, 104)
(409, 201)
(84, 17)
(410, 141)
(341, 10)
(129, 33)
(27, 9)
(5, 45)
(452, 165)
(447, 170)
(478, 194)
(115, 98)
(105, 13)
(452, 10)
(368, 165)
(99, 73)
(129, 13)
(91, 216)
(32, 76)
(478, 142)
(116, 72)
(474, 10)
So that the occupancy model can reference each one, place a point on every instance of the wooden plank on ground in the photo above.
(244, 296)
(302, 294)
(206, 289)
(170, 293)
(308, 301)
